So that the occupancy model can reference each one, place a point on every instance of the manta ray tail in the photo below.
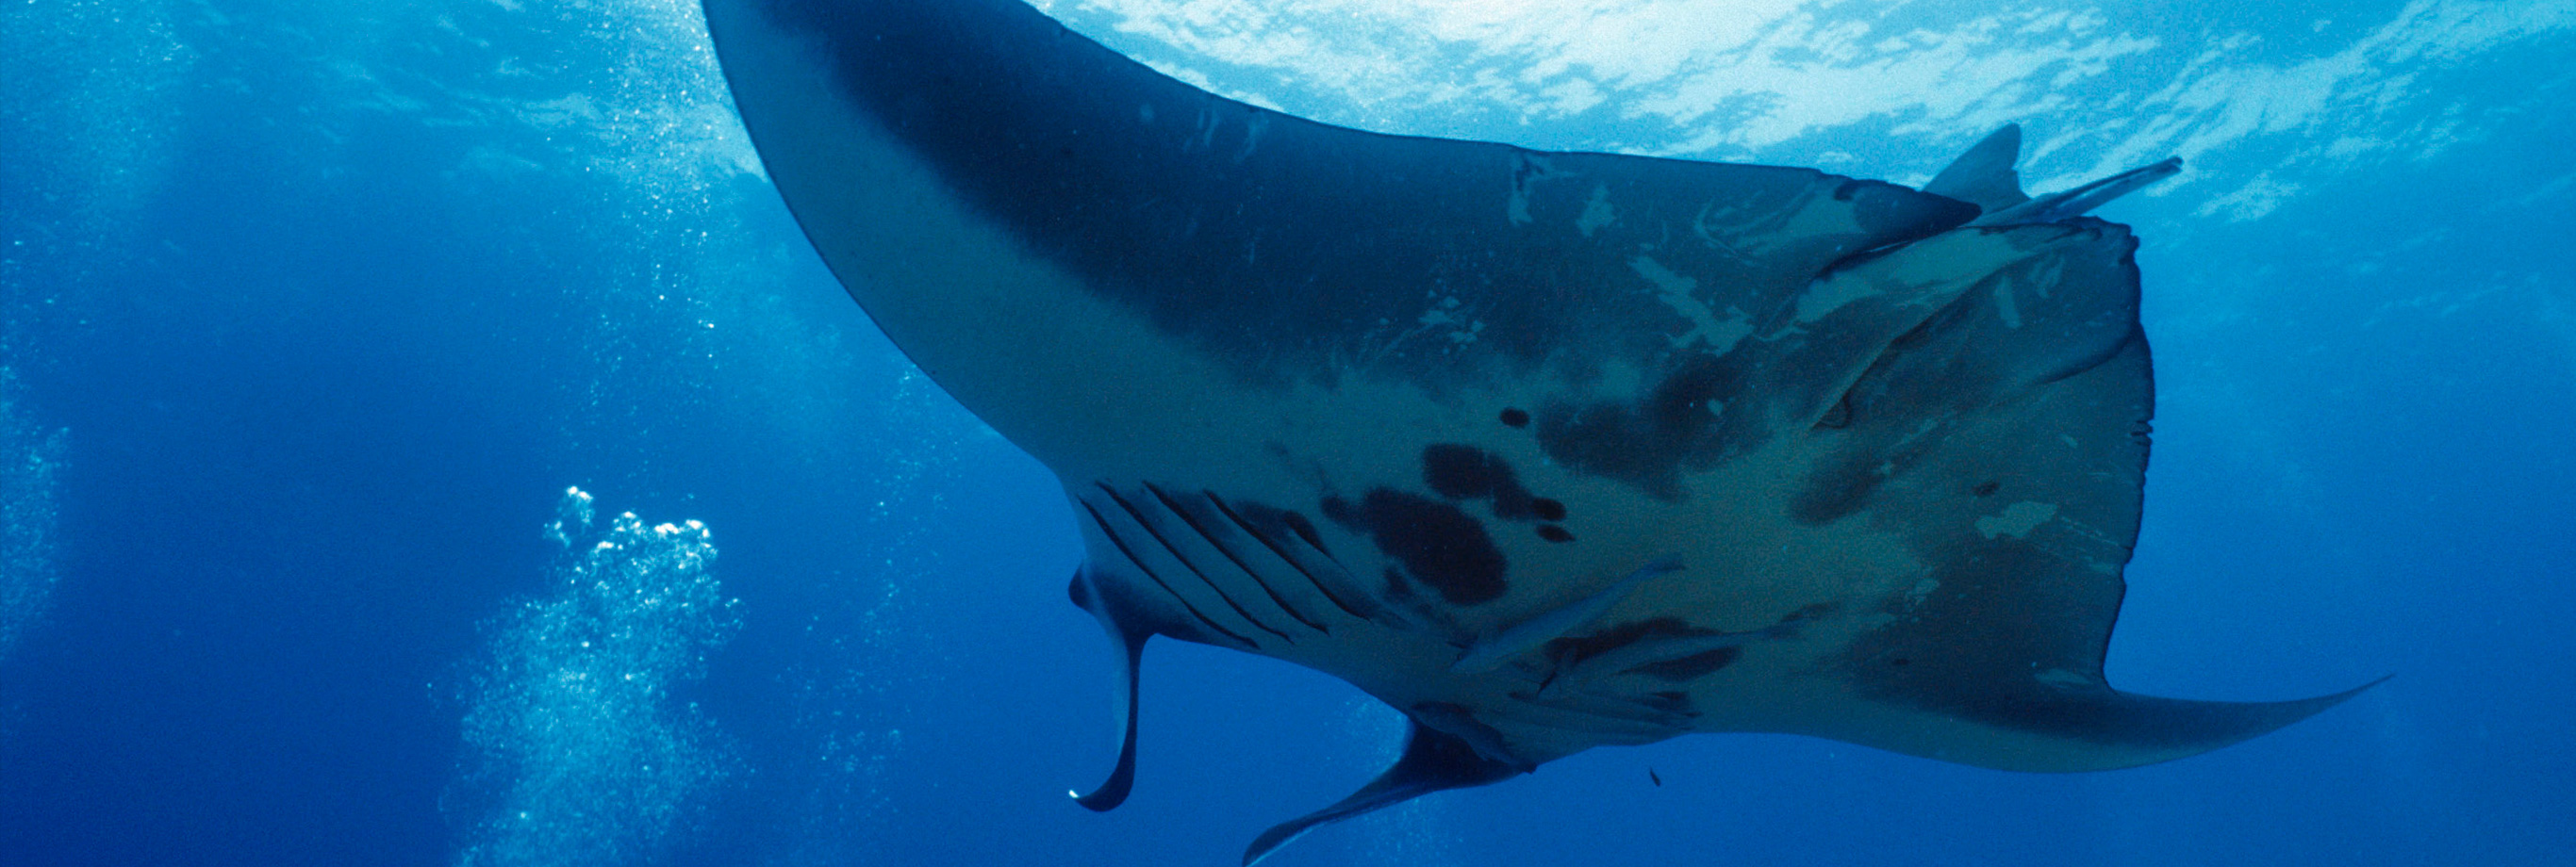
(1433, 761)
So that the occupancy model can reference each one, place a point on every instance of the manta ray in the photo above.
(1548, 451)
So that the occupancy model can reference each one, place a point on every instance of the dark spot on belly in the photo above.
(1305, 529)
(1986, 489)
(1440, 546)
(1692, 667)
(1396, 588)
(1464, 472)
(1516, 417)
(1648, 443)
(1554, 533)
(1568, 651)
(1468, 473)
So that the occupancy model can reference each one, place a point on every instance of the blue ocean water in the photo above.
(311, 311)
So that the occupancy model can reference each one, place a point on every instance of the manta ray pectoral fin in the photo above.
(2097, 729)
(1130, 644)
(1984, 176)
(2176, 728)
(1433, 761)
(2004, 437)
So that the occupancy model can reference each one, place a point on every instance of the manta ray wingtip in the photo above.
(2243, 721)
(2322, 703)
(2143, 730)
(2284, 713)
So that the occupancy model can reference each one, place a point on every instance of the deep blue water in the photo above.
(315, 308)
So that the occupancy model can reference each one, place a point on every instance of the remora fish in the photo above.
(1547, 450)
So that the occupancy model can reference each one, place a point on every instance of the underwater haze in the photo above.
(426, 439)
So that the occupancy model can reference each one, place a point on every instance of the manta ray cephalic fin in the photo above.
(1984, 176)
(1130, 645)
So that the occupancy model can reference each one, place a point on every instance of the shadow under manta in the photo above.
(1546, 450)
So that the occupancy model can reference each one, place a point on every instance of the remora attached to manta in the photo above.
(1546, 450)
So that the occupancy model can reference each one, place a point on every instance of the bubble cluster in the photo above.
(31, 457)
(578, 752)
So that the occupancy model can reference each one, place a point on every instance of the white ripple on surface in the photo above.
(1768, 80)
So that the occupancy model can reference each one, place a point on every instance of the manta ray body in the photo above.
(1549, 451)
